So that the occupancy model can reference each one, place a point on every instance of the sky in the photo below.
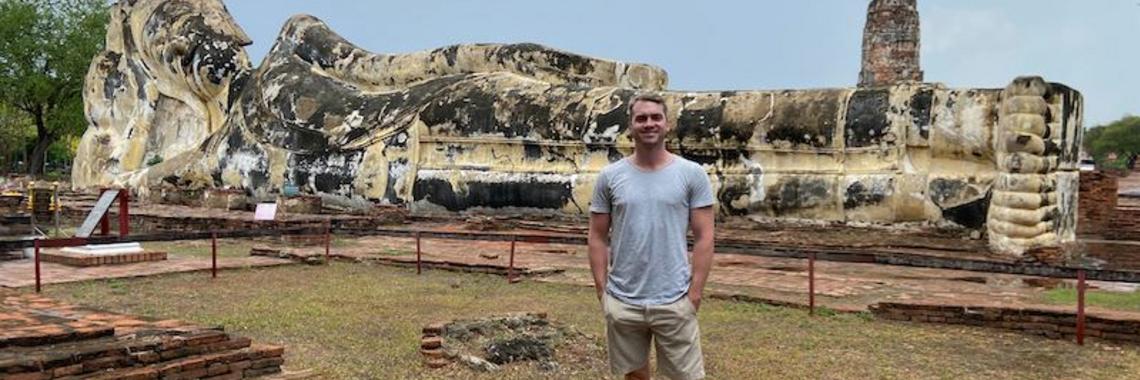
(1090, 45)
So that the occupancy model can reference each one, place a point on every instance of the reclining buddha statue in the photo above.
(524, 128)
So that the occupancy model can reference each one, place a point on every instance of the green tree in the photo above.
(1121, 137)
(16, 131)
(46, 47)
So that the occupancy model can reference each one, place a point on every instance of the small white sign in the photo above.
(265, 211)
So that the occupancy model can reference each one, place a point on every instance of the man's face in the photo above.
(648, 125)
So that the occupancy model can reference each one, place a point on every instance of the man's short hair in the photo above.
(652, 98)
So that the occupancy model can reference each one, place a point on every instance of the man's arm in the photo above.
(599, 243)
(701, 221)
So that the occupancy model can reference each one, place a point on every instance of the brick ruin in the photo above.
(45, 339)
(1098, 202)
(890, 44)
(1104, 212)
(1056, 323)
(1109, 223)
(487, 345)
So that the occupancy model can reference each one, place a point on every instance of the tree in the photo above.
(16, 131)
(1121, 137)
(46, 47)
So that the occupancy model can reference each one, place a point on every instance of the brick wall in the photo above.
(1125, 224)
(1097, 202)
(168, 196)
(1123, 255)
(12, 204)
(890, 44)
(1100, 211)
(1053, 323)
(225, 199)
(299, 204)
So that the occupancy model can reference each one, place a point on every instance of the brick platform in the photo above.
(41, 338)
(82, 260)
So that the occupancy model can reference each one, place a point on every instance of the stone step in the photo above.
(52, 333)
(243, 363)
(130, 356)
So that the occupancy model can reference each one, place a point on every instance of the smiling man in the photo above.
(642, 208)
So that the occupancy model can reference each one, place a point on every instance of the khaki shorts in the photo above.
(671, 327)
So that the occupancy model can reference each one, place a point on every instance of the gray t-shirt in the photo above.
(649, 219)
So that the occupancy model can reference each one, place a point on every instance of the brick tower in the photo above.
(890, 44)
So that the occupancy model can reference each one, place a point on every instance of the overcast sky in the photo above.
(1090, 45)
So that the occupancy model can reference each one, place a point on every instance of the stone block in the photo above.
(299, 204)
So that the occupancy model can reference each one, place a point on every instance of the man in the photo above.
(642, 207)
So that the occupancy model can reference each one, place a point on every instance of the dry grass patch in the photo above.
(350, 321)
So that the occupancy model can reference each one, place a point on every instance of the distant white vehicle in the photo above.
(1087, 165)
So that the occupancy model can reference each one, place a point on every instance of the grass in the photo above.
(1128, 301)
(232, 248)
(358, 321)
(227, 248)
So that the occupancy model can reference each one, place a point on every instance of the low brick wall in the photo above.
(1125, 224)
(1123, 255)
(225, 199)
(81, 260)
(299, 204)
(12, 204)
(168, 196)
(16, 225)
(1053, 323)
(304, 240)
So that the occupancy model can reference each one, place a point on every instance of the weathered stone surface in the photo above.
(160, 87)
(524, 128)
(518, 349)
(1035, 197)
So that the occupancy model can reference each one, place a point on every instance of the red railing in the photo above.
(514, 239)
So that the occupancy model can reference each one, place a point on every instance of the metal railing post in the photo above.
(328, 238)
(213, 254)
(811, 283)
(511, 262)
(37, 259)
(124, 213)
(1080, 307)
